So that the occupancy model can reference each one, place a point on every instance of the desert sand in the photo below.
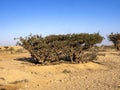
(19, 74)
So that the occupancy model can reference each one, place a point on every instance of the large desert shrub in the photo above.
(115, 38)
(69, 47)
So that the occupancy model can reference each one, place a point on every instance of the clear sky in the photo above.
(22, 17)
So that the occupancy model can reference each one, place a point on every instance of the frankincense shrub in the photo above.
(115, 38)
(61, 48)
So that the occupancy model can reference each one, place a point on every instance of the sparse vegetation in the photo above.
(20, 50)
(6, 48)
(12, 50)
(60, 76)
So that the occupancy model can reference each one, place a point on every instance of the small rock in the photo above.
(38, 85)
(60, 80)
(50, 80)
(2, 78)
(66, 71)
(119, 86)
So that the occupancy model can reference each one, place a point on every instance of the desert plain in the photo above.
(17, 73)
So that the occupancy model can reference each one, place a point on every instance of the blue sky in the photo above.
(22, 17)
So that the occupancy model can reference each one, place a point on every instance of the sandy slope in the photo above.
(21, 75)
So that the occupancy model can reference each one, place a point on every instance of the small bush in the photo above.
(6, 48)
(115, 38)
(12, 50)
(21, 50)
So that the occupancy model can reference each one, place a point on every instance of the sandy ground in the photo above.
(21, 75)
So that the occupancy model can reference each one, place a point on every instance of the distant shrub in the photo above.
(20, 50)
(6, 47)
(69, 47)
(115, 38)
(12, 50)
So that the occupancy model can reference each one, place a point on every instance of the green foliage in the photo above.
(69, 47)
(115, 38)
